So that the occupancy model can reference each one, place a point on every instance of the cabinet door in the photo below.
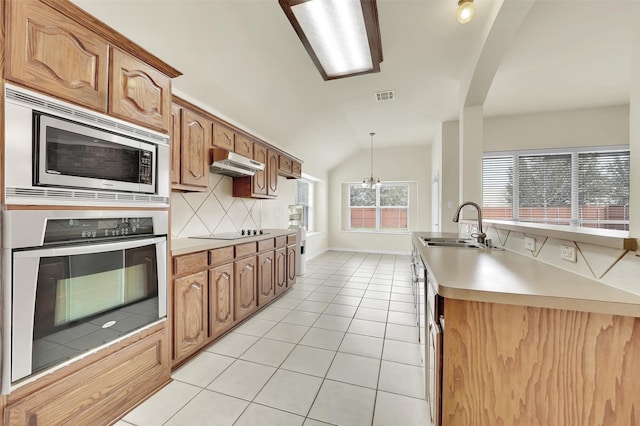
(272, 173)
(190, 325)
(296, 169)
(196, 138)
(280, 276)
(285, 165)
(266, 267)
(291, 265)
(220, 299)
(244, 277)
(244, 146)
(175, 143)
(223, 137)
(259, 180)
(51, 53)
(139, 92)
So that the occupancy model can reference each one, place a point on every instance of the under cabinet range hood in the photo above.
(231, 164)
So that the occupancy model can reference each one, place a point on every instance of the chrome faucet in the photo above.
(480, 236)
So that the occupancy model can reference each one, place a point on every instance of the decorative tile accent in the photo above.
(216, 211)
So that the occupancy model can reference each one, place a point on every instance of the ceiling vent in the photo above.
(387, 95)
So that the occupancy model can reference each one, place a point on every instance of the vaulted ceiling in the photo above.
(242, 60)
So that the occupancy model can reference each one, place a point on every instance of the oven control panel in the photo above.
(74, 230)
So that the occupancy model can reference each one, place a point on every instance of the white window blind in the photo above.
(582, 187)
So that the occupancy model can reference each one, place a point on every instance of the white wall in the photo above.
(572, 128)
(403, 164)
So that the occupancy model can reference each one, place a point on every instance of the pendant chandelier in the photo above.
(371, 182)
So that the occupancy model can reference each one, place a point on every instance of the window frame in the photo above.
(378, 209)
(576, 219)
(308, 216)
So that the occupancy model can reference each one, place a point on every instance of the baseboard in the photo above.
(391, 252)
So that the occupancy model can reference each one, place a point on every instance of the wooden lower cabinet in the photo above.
(523, 365)
(221, 306)
(244, 277)
(266, 271)
(100, 393)
(291, 265)
(280, 273)
(190, 314)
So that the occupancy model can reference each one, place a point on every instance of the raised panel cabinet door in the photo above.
(272, 173)
(259, 180)
(284, 165)
(221, 307)
(223, 137)
(176, 128)
(49, 52)
(291, 265)
(190, 325)
(266, 270)
(196, 137)
(245, 292)
(296, 169)
(139, 92)
(244, 146)
(280, 275)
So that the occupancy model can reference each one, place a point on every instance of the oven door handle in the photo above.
(88, 249)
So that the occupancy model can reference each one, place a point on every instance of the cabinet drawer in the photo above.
(291, 239)
(101, 392)
(220, 256)
(245, 249)
(265, 245)
(190, 263)
(281, 241)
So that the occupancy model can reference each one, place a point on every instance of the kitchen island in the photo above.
(524, 342)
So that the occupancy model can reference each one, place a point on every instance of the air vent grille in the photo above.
(387, 95)
(105, 198)
(88, 117)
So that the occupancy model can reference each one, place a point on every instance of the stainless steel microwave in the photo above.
(59, 153)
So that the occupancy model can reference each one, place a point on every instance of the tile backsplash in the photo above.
(215, 211)
(614, 267)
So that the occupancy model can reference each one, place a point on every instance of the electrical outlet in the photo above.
(568, 253)
(530, 243)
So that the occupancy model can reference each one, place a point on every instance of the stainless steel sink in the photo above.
(455, 242)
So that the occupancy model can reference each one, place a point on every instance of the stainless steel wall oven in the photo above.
(59, 153)
(76, 281)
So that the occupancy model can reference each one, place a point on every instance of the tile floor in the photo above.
(340, 348)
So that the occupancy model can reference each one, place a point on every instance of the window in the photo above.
(582, 187)
(304, 197)
(384, 208)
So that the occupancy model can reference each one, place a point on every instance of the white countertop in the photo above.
(180, 246)
(500, 276)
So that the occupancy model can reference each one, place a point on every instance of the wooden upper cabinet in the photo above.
(223, 137)
(196, 140)
(284, 164)
(272, 173)
(259, 180)
(139, 92)
(176, 128)
(49, 52)
(243, 146)
(296, 169)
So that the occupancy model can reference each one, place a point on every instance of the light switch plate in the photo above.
(530, 243)
(568, 253)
